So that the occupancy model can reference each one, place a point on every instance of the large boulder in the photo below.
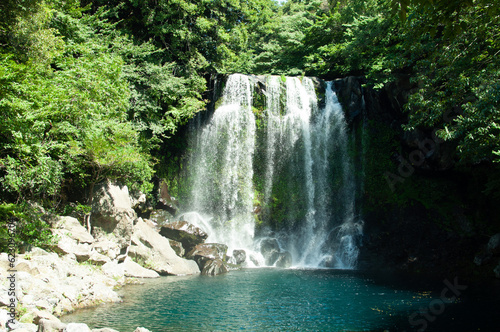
(273, 255)
(112, 214)
(154, 251)
(270, 250)
(239, 256)
(208, 250)
(160, 217)
(178, 248)
(67, 245)
(47, 325)
(132, 269)
(185, 233)
(107, 247)
(4, 318)
(72, 228)
(42, 314)
(73, 238)
(491, 249)
(25, 327)
(214, 267)
(210, 258)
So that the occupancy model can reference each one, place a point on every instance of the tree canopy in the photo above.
(95, 89)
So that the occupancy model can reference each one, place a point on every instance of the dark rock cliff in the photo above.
(423, 211)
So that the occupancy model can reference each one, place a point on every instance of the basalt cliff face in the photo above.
(423, 210)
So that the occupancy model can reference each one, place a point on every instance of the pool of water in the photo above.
(289, 300)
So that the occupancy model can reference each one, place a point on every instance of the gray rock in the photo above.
(165, 201)
(208, 250)
(67, 245)
(112, 214)
(154, 250)
(113, 269)
(132, 269)
(106, 247)
(4, 299)
(214, 267)
(76, 327)
(270, 250)
(239, 256)
(160, 217)
(42, 314)
(27, 266)
(178, 248)
(138, 202)
(185, 233)
(38, 252)
(46, 325)
(205, 255)
(25, 327)
(72, 228)
(98, 259)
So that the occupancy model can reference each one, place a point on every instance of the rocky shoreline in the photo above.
(86, 268)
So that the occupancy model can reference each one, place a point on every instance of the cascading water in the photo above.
(222, 170)
(306, 183)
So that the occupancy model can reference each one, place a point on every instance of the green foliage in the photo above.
(96, 90)
(458, 74)
(30, 228)
(77, 209)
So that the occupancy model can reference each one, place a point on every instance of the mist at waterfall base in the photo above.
(242, 159)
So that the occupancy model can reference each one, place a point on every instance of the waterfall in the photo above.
(294, 155)
(222, 170)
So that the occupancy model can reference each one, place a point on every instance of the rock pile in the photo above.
(85, 267)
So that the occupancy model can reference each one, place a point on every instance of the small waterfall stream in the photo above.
(305, 187)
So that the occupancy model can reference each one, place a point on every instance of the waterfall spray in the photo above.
(305, 145)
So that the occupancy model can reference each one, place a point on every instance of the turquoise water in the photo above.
(269, 300)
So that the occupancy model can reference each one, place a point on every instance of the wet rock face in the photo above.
(160, 217)
(273, 255)
(185, 233)
(210, 258)
(178, 248)
(270, 249)
(239, 256)
(214, 267)
(208, 250)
